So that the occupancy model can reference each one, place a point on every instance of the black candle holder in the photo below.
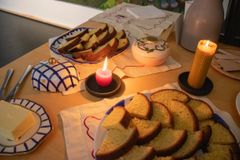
(93, 88)
(204, 90)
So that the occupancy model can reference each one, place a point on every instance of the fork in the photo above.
(8, 75)
(13, 92)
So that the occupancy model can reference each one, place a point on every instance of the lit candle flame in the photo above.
(207, 44)
(105, 64)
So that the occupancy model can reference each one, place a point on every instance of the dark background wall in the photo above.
(20, 35)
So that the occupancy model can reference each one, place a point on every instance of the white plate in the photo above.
(33, 138)
(222, 117)
(238, 103)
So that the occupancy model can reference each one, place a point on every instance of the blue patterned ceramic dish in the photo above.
(61, 39)
(219, 116)
(33, 138)
(57, 77)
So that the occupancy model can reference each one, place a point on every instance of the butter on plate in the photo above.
(15, 120)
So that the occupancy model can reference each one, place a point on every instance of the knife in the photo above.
(8, 75)
(13, 92)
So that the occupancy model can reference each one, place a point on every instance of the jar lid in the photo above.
(55, 76)
(151, 46)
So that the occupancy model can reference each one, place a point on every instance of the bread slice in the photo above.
(116, 143)
(104, 27)
(82, 54)
(85, 38)
(117, 119)
(112, 31)
(183, 116)
(78, 34)
(103, 51)
(217, 155)
(201, 109)
(168, 141)
(234, 149)
(220, 134)
(99, 53)
(121, 34)
(207, 132)
(147, 129)
(92, 43)
(191, 158)
(104, 37)
(219, 151)
(164, 158)
(113, 43)
(166, 95)
(76, 48)
(96, 31)
(162, 114)
(63, 48)
(219, 147)
(138, 153)
(191, 145)
(139, 107)
(123, 44)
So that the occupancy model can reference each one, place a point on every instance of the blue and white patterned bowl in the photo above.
(62, 39)
(58, 77)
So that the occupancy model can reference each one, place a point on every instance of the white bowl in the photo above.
(150, 52)
(55, 76)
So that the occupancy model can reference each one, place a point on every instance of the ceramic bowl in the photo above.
(55, 76)
(150, 51)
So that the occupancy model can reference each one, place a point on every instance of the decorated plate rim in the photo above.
(238, 102)
(43, 117)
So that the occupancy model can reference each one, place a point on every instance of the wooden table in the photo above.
(223, 94)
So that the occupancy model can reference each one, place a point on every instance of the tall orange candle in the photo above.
(201, 62)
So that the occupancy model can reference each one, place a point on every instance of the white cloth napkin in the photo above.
(144, 12)
(80, 124)
(136, 28)
(228, 62)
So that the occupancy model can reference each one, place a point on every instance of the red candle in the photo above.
(104, 75)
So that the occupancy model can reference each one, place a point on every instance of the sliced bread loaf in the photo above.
(168, 141)
(166, 95)
(207, 132)
(139, 107)
(162, 114)
(138, 153)
(118, 118)
(64, 47)
(183, 116)
(191, 158)
(220, 134)
(219, 147)
(147, 129)
(217, 155)
(164, 158)
(116, 143)
(191, 145)
(233, 148)
(201, 109)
